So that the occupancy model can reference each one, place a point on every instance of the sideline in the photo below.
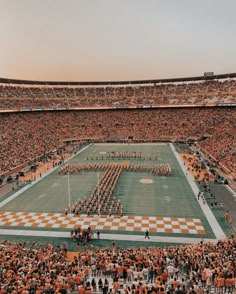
(216, 228)
(231, 191)
(104, 236)
(13, 196)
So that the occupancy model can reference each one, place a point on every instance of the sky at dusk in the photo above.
(107, 40)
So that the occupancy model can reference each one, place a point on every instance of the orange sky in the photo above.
(93, 40)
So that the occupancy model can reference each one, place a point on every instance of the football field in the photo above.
(165, 205)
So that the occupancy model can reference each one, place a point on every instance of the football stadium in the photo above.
(117, 158)
(118, 167)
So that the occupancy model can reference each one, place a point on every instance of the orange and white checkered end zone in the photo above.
(111, 223)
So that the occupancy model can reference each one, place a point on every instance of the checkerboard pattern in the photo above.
(113, 223)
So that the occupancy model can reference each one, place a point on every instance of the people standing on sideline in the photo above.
(147, 234)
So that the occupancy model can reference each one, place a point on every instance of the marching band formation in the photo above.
(101, 200)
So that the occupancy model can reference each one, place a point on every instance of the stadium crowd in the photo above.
(25, 136)
(15, 96)
(196, 268)
(222, 147)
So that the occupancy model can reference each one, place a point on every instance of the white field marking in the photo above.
(231, 191)
(146, 181)
(63, 234)
(42, 196)
(216, 228)
(54, 185)
(167, 198)
(131, 144)
(13, 196)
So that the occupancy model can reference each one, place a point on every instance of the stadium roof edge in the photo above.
(107, 83)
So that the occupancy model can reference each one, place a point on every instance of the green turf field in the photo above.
(165, 196)
(169, 196)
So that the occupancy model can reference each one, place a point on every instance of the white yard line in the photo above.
(205, 208)
(13, 196)
(231, 191)
(103, 236)
(130, 144)
(164, 239)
